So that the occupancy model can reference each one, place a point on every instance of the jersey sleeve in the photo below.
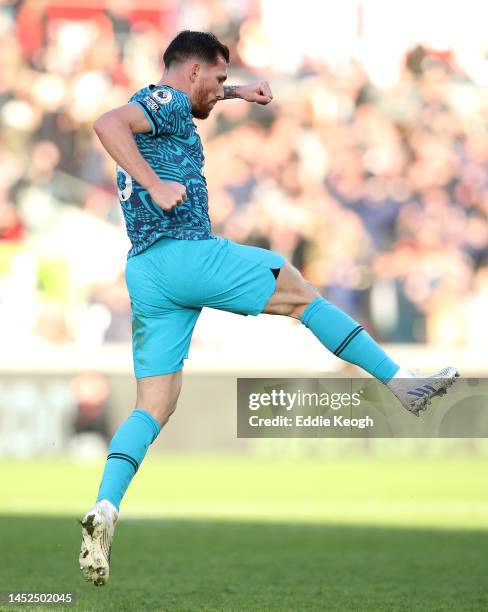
(163, 109)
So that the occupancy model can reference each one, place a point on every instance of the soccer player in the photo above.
(176, 266)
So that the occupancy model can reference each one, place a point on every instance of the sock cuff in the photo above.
(385, 370)
(149, 419)
(317, 304)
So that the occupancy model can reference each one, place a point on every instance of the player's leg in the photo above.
(251, 280)
(156, 401)
(220, 273)
(347, 339)
(159, 395)
(292, 294)
(341, 334)
(161, 334)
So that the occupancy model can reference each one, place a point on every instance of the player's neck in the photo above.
(174, 82)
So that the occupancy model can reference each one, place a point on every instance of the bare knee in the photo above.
(292, 295)
(298, 310)
(161, 409)
(161, 412)
(158, 395)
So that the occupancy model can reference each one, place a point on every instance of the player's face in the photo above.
(208, 88)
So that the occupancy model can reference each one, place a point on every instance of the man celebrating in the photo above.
(176, 267)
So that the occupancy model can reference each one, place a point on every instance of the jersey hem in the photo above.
(181, 236)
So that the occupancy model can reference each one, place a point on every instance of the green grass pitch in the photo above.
(257, 534)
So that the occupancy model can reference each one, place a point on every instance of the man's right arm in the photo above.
(115, 130)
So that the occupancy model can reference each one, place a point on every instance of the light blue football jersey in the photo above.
(174, 151)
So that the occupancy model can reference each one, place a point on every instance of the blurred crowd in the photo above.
(379, 196)
(56, 414)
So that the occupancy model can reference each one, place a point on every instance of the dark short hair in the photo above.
(203, 45)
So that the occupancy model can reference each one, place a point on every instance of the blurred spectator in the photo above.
(379, 195)
(91, 393)
(115, 300)
(11, 226)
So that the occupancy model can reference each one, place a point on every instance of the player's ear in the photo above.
(194, 72)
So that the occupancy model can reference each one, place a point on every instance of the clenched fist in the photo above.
(256, 92)
(167, 195)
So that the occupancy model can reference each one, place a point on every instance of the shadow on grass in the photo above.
(209, 565)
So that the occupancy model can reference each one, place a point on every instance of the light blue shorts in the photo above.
(171, 281)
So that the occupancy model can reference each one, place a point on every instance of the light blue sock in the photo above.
(344, 337)
(125, 454)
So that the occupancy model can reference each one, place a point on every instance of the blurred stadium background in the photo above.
(369, 171)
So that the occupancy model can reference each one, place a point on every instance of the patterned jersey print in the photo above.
(174, 151)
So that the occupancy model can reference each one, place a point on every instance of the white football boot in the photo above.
(416, 393)
(97, 530)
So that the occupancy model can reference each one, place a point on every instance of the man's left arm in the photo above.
(255, 92)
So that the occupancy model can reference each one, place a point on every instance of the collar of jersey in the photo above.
(184, 94)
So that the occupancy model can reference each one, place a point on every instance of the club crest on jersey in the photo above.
(162, 96)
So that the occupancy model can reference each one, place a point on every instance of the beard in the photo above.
(200, 112)
(201, 107)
